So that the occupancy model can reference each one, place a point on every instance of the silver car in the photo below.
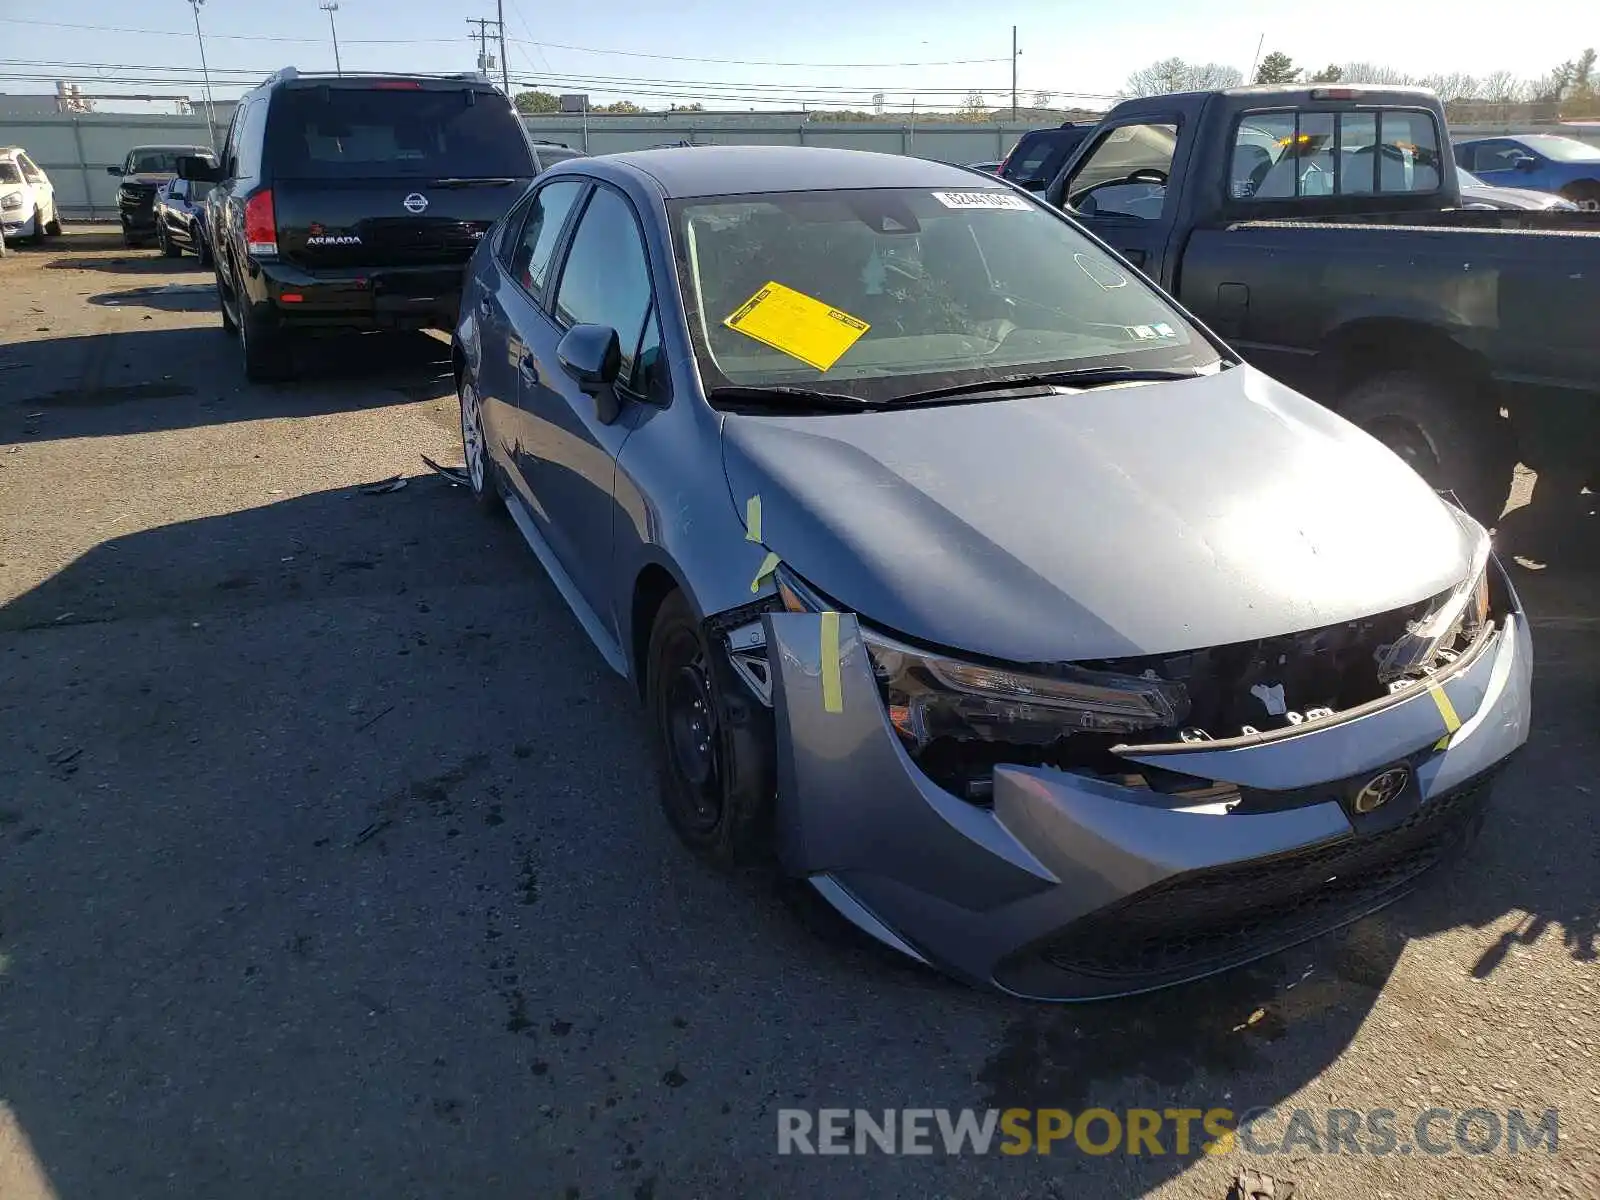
(963, 572)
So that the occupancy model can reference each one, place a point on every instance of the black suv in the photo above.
(354, 202)
(1041, 153)
(143, 172)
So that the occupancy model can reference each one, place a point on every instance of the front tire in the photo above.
(37, 237)
(163, 239)
(1445, 433)
(52, 227)
(482, 476)
(719, 807)
(1585, 194)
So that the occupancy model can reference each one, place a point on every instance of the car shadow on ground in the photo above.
(331, 853)
(133, 261)
(164, 297)
(114, 384)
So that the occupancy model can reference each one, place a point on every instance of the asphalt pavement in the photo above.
(331, 864)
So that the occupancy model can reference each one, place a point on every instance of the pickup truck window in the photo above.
(1305, 155)
(1126, 173)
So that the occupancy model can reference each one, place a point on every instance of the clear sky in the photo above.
(572, 47)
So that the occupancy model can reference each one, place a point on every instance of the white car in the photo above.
(27, 199)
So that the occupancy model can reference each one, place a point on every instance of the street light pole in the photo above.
(330, 7)
(205, 71)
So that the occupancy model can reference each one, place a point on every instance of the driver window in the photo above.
(1126, 173)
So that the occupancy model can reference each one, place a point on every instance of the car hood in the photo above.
(150, 178)
(1505, 197)
(1122, 520)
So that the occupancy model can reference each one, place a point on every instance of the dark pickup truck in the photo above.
(1319, 230)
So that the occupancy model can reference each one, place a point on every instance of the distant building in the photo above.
(27, 106)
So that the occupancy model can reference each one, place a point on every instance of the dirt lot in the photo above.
(330, 863)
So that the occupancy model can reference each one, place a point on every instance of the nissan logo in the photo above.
(1381, 789)
(416, 202)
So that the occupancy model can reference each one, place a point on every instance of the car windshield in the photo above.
(881, 293)
(375, 133)
(160, 162)
(10, 173)
(1562, 149)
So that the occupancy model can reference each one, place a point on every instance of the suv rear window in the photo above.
(162, 161)
(368, 133)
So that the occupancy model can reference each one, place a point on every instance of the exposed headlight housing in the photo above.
(11, 200)
(1445, 629)
(931, 697)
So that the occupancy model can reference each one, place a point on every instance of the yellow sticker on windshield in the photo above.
(797, 325)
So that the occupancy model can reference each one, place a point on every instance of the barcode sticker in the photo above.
(1001, 200)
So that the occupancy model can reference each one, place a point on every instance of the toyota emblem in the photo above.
(1381, 789)
(416, 203)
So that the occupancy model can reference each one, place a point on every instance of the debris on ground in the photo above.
(456, 475)
(372, 831)
(392, 484)
(1254, 1185)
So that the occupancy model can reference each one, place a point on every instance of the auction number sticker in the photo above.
(1003, 200)
(798, 325)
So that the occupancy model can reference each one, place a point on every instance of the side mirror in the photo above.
(592, 355)
(199, 170)
(1527, 163)
(117, 171)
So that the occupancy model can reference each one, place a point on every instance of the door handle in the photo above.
(485, 309)
(528, 368)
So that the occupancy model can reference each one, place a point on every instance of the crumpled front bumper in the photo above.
(1075, 888)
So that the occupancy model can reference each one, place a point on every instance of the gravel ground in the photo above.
(330, 863)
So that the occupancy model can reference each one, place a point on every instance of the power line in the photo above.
(443, 41)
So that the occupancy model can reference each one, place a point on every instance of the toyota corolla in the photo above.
(963, 572)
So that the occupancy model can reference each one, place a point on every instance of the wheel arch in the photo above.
(653, 582)
(1374, 345)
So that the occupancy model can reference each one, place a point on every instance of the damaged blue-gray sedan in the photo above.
(961, 570)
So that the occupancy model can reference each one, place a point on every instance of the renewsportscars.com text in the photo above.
(1179, 1131)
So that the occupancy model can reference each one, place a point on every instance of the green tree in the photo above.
(537, 102)
(621, 106)
(1277, 67)
(1328, 74)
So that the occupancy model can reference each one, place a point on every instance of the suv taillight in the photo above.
(261, 226)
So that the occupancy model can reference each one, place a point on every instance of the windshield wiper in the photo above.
(777, 398)
(461, 181)
(1084, 377)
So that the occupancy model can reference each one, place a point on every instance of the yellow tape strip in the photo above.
(752, 519)
(1447, 711)
(832, 690)
(769, 564)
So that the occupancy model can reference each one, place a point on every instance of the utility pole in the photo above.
(482, 35)
(1260, 42)
(1014, 53)
(330, 7)
(500, 22)
(205, 71)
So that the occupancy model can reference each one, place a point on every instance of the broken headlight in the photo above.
(1445, 630)
(930, 697)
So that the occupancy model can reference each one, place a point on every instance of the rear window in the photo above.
(1311, 155)
(1039, 156)
(9, 173)
(349, 133)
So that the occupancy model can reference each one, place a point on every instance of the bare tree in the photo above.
(1365, 72)
(1175, 75)
(1499, 87)
(1041, 99)
(974, 107)
(1454, 86)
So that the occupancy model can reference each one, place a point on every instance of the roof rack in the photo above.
(284, 74)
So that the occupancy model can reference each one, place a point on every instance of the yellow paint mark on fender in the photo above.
(1447, 711)
(832, 690)
(769, 564)
(752, 519)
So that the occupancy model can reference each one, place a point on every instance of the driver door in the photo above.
(1119, 190)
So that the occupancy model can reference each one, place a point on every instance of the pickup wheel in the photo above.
(1442, 431)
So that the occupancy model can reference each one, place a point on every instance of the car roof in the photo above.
(686, 171)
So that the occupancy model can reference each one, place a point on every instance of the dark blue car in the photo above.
(961, 570)
(1544, 162)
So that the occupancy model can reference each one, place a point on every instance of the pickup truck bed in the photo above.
(1418, 319)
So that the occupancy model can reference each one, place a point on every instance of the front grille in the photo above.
(1205, 920)
(139, 198)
